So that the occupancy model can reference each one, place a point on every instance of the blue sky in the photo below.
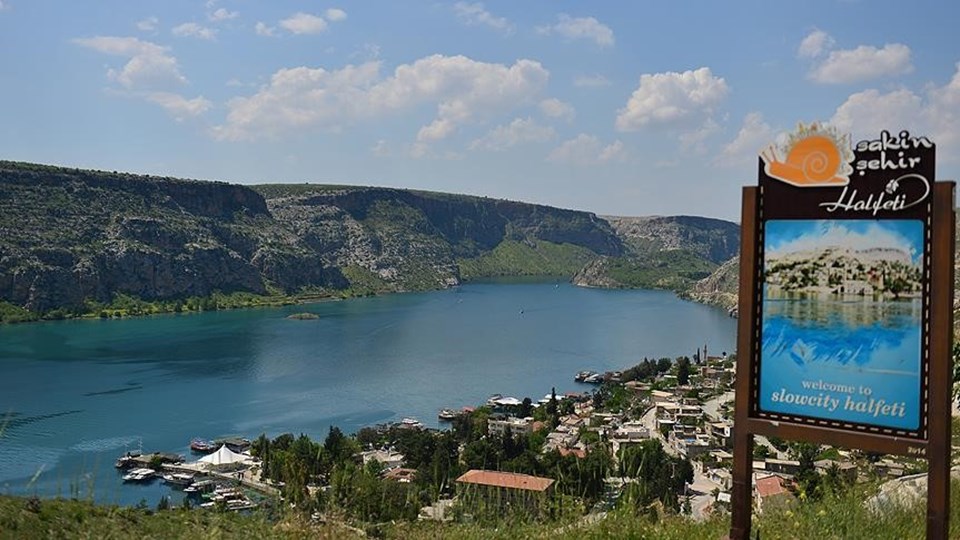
(627, 108)
(788, 236)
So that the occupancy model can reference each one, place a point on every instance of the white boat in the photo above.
(139, 475)
(178, 479)
(411, 423)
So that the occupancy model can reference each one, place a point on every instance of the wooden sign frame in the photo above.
(932, 442)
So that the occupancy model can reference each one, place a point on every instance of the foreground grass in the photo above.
(835, 517)
(32, 518)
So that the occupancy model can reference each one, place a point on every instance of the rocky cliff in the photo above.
(670, 252)
(69, 237)
(719, 288)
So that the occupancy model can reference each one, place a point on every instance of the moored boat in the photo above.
(179, 479)
(127, 460)
(139, 475)
(202, 446)
(411, 423)
(448, 414)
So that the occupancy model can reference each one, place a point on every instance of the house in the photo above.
(770, 491)
(390, 459)
(495, 491)
(722, 433)
(847, 470)
(783, 466)
(516, 426)
(401, 475)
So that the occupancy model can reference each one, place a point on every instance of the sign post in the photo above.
(846, 295)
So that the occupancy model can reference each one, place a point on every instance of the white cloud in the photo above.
(192, 29)
(744, 149)
(178, 106)
(694, 139)
(580, 28)
(554, 108)
(262, 29)
(517, 132)
(335, 15)
(304, 23)
(672, 98)
(815, 44)
(586, 150)
(222, 14)
(463, 89)
(151, 73)
(935, 113)
(863, 63)
(150, 66)
(591, 81)
(148, 25)
(474, 14)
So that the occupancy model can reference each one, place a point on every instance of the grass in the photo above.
(672, 269)
(842, 516)
(537, 258)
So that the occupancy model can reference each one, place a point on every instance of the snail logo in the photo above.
(813, 156)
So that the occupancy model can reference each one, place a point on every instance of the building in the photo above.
(770, 491)
(388, 458)
(401, 475)
(722, 433)
(483, 491)
(516, 426)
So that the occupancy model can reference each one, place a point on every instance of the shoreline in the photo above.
(294, 300)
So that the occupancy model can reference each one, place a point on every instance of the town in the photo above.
(653, 439)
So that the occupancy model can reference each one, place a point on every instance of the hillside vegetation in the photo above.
(841, 516)
(663, 253)
(76, 242)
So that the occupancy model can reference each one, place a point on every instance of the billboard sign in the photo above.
(843, 259)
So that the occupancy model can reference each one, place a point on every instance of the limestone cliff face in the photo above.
(713, 239)
(720, 288)
(68, 236)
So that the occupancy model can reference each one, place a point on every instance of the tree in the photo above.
(526, 408)
(683, 370)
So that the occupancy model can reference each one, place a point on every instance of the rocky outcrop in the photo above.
(715, 240)
(719, 288)
(70, 236)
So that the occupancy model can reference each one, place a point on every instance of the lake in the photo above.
(76, 394)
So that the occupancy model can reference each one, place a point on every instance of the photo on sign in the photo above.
(841, 321)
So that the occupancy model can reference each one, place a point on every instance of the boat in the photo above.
(596, 378)
(583, 375)
(178, 479)
(201, 486)
(235, 444)
(201, 446)
(127, 460)
(411, 423)
(448, 414)
(139, 475)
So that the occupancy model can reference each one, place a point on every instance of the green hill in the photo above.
(93, 242)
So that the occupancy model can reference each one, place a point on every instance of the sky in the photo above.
(618, 108)
(790, 236)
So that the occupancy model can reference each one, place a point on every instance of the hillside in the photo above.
(663, 252)
(79, 241)
(836, 516)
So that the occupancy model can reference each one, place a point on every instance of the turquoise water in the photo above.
(77, 393)
(842, 360)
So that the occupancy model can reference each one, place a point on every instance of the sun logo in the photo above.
(813, 156)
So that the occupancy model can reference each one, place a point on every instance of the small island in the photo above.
(306, 316)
